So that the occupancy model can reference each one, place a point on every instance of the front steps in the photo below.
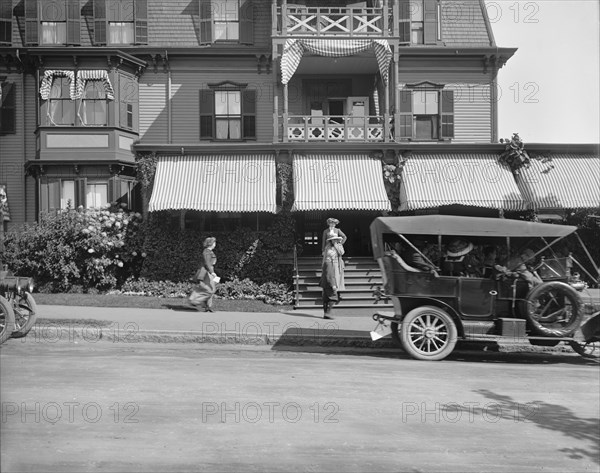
(360, 298)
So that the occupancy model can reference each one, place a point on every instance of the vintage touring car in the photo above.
(532, 293)
(18, 310)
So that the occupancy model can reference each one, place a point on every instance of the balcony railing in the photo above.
(300, 21)
(335, 128)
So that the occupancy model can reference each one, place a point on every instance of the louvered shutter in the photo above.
(447, 114)
(249, 114)
(141, 22)
(430, 21)
(246, 22)
(5, 22)
(406, 116)
(207, 114)
(206, 22)
(80, 191)
(8, 109)
(73, 22)
(31, 23)
(99, 22)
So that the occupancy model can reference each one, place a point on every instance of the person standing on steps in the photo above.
(203, 294)
(332, 274)
(330, 231)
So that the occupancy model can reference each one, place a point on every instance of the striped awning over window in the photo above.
(294, 49)
(85, 76)
(215, 183)
(49, 76)
(434, 180)
(338, 182)
(566, 181)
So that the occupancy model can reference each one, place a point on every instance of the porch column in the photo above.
(285, 111)
(384, 13)
(396, 82)
(274, 31)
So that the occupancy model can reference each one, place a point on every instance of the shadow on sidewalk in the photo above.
(180, 307)
(313, 314)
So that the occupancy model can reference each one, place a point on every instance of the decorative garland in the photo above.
(284, 175)
(146, 169)
(516, 158)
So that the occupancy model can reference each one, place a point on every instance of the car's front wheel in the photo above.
(7, 320)
(428, 333)
(25, 310)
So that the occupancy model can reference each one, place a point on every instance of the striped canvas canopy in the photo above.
(215, 183)
(572, 183)
(85, 76)
(433, 180)
(338, 182)
(48, 78)
(295, 48)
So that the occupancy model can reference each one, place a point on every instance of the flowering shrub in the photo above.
(78, 247)
(270, 293)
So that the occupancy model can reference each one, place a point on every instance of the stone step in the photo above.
(358, 285)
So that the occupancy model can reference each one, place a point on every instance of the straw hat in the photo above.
(334, 237)
(459, 247)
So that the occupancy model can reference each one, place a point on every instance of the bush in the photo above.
(270, 293)
(77, 249)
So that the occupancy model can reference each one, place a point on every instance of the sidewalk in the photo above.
(292, 327)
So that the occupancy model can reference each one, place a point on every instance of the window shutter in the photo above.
(249, 114)
(447, 114)
(404, 21)
(246, 22)
(8, 109)
(406, 117)
(80, 191)
(31, 22)
(5, 22)
(430, 21)
(207, 113)
(99, 22)
(141, 22)
(73, 22)
(206, 22)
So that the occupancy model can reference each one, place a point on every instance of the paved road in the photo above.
(150, 407)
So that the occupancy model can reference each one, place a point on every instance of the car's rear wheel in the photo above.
(25, 310)
(7, 320)
(586, 349)
(428, 333)
(553, 309)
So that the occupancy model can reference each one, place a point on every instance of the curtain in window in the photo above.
(92, 108)
(61, 108)
(49, 78)
(294, 50)
(84, 76)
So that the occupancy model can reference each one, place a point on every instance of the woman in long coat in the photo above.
(332, 274)
(203, 293)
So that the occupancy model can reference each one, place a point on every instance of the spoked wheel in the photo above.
(554, 309)
(586, 349)
(7, 320)
(25, 310)
(428, 333)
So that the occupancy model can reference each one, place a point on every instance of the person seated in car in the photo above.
(460, 259)
(412, 257)
(491, 268)
(521, 266)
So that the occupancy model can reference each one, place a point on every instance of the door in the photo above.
(476, 297)
(358, 108)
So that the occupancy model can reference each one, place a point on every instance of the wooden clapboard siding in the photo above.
(472, 113)
(185, 104)
(153, 109)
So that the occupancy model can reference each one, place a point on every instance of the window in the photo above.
(6, 22)
(128, 99)
(227, 112)
(420, 22)
(60, 193)
(96, 194)
(61, 109)
(426, 113)
(8, 103)
(120, 22)
(92, 106)
(52, 22)
(226, 21)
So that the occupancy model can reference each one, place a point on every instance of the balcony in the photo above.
(335, 128)
(297, 21)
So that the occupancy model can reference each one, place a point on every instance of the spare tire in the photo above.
(553, 309)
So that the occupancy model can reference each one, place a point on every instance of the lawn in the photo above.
(145, 302)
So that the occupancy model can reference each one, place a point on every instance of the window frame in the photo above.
(207, 23)
(8, 108)
(6, 14)
(67, 12)
(430, 22)
(105, 14)
(443, 123)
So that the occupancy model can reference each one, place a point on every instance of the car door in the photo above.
(476, 297)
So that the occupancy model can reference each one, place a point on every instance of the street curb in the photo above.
(52, 334)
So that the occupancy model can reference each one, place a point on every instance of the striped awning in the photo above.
(84, 76)
(294, 49)
(215, 183)
(48, 78)
(338, 182)
(572, 183)
(434, 180)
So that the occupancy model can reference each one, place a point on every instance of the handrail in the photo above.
(296, 277)
(335, 128)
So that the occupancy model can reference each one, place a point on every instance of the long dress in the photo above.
(332, 275)
(205, 289)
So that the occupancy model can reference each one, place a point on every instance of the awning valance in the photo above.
(215, 183)
(85, 76)
(49, 76)
(572, 183)
(433, 180)
(295, 48)
(338, 182)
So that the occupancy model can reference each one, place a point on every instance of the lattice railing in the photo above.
(334, 128)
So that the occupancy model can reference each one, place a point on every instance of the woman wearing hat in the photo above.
(460, 260)
(330, 231)
(203, 293)
(332, 273)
